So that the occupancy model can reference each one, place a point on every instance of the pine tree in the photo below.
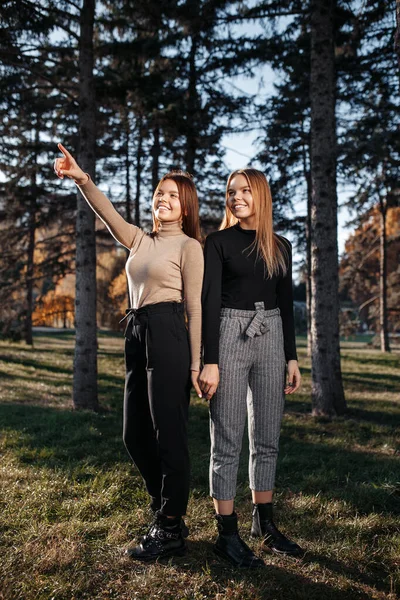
(360, 267)
(370, 149)
(327, 388)
(85, 357)
(397, 37)
(29, 203)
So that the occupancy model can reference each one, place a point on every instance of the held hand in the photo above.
(293, 377)
(209, 380)
(195, 382)
(69, 167)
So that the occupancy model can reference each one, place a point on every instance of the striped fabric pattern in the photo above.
(252, 380)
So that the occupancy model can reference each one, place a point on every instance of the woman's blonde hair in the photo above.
(267, 244)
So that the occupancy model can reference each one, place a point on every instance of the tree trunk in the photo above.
(30, 260)
(308, 280)
(397, 35)
(85, 359)
(192, 104)
(155, 155)
(383, 320)
(307, 175)
(30, 264)
(139, 153)
(327, 387)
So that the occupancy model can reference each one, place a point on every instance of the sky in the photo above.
(242, 147)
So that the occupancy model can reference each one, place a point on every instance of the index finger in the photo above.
(197, 390)
(64, 151)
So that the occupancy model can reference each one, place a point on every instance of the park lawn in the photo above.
(70, 500)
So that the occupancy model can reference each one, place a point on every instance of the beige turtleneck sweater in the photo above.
(166, 267)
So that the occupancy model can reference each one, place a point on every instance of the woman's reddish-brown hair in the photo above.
(189, 203)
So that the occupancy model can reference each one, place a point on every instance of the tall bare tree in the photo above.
(85, 358)
(327, 387)
(397, 35)
(383, 320)
(32, 223)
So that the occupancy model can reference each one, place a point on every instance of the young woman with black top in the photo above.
(164, 270)
(249, 342)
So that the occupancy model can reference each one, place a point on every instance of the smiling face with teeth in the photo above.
(166, 203)
(240, 201)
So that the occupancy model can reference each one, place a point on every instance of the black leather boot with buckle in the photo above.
(274, 540)
(163, 539)
(185, 528)
(229, 544)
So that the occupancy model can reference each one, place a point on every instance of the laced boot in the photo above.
(164, 538)
(229, 544)
(274, 540)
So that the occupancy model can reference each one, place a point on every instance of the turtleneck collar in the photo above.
(246, 231)
(170, 228)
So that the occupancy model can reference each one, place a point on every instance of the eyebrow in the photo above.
(170, 192)
(241, 188)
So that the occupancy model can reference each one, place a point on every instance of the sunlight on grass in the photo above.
(70, 501)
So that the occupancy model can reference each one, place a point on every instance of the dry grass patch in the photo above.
(70, 502)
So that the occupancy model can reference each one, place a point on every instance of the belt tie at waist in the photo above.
(258, 325)
(128, 313)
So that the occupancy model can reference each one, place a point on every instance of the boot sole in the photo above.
(295, 554)
(148, 559)
(232, 562)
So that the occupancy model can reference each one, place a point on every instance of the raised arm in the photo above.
(125, 233)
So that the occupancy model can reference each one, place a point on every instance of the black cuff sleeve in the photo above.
(211, 301)
(285, 303)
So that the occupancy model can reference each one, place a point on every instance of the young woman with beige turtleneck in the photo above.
(162, 356)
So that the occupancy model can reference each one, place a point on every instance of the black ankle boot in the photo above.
(274, 540)
(164, 538)
(185, 528)
(230, 545)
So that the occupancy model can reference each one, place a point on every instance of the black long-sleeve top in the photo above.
(234, 278)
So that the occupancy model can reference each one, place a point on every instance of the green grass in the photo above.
(70, 501)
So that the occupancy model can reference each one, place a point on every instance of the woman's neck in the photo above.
(249, 223)
(170, 228)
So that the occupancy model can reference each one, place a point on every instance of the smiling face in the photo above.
(239, 198)
(166, 203)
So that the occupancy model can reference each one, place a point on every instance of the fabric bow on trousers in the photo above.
(252, 379)
(259, 323)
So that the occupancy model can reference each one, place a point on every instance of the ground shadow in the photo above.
(271, 581)
(69, 437)
(367, 481)
(38, 364)
(374, 381)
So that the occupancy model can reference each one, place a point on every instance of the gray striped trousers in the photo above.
(252, 378)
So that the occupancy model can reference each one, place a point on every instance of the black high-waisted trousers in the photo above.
(156, 402)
